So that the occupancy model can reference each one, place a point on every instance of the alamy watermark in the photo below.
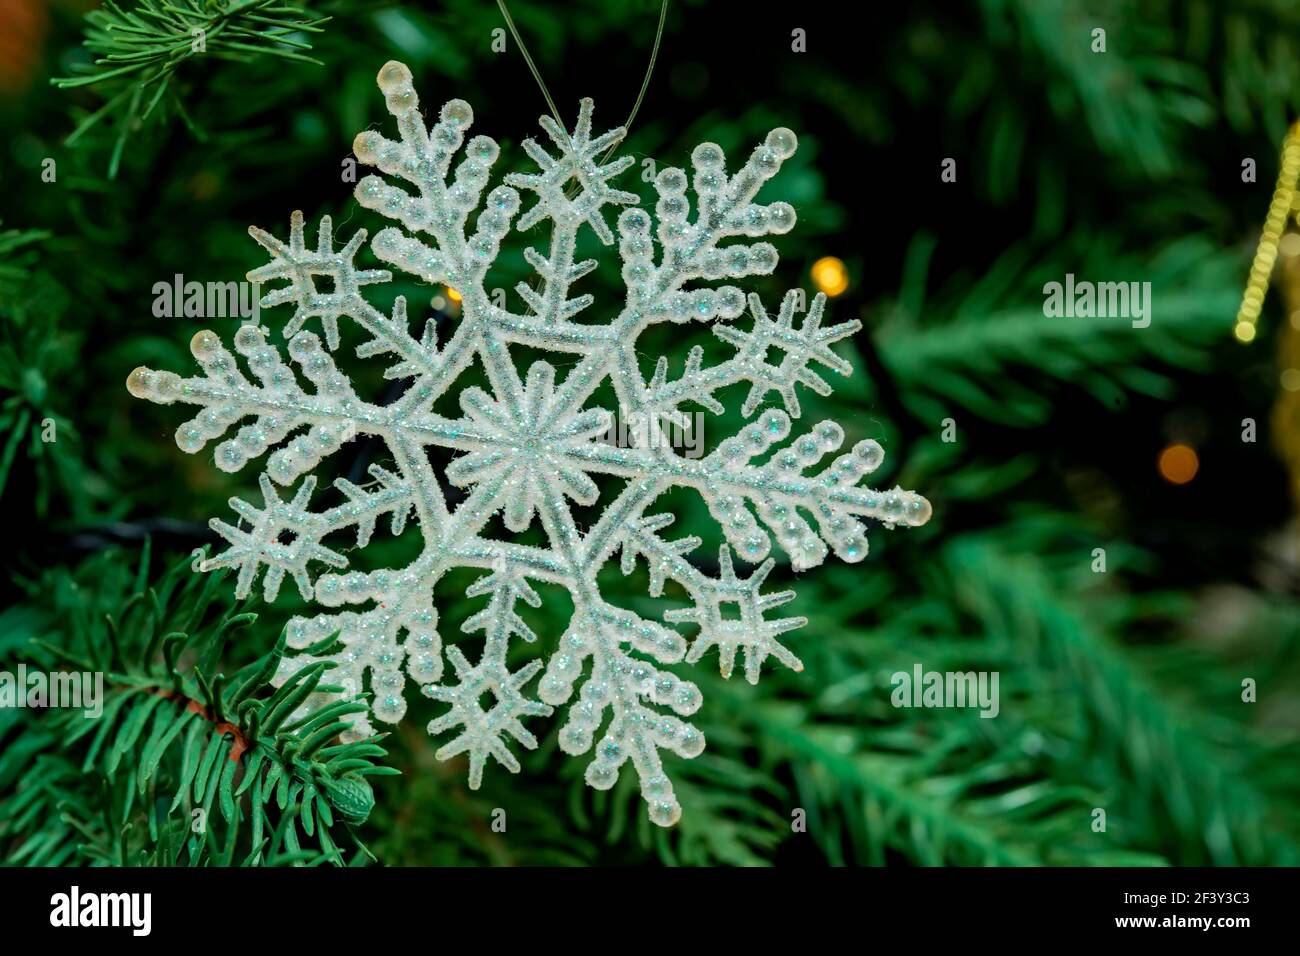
(1101, 300)
(207, 300)
(133, 911)
(633, 429)
(922, 688)
(73, 690)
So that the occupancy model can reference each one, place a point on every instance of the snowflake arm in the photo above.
(483, 729)
(748, 629)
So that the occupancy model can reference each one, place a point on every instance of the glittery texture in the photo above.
(530, 446)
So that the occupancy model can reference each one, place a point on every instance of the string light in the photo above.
(830, 276)
(1178, 464)
(1283, 204)
(1286, 408)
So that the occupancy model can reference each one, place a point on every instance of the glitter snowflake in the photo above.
(528, 448)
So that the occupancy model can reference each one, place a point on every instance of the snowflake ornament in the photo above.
(530, 446)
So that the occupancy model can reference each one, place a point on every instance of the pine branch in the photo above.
(1136, 104)
(141, 50)
(184, 767)
(1180, 791)
(16, 257)
(35, 352)
(992, 355)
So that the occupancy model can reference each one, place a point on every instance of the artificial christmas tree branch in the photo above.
(185, 766)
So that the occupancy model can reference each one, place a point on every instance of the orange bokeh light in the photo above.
(1178, 464)
(830, 275)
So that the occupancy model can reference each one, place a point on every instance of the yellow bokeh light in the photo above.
(1178, 464)
(830, 276)
(1244, 331)
(453, 296)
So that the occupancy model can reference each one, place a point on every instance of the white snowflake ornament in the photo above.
(530, 447)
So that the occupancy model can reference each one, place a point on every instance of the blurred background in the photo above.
(1174, 448)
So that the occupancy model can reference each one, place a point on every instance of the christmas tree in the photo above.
(1035, 274)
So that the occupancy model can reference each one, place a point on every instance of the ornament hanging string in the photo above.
(572, 188)
(555, 113)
